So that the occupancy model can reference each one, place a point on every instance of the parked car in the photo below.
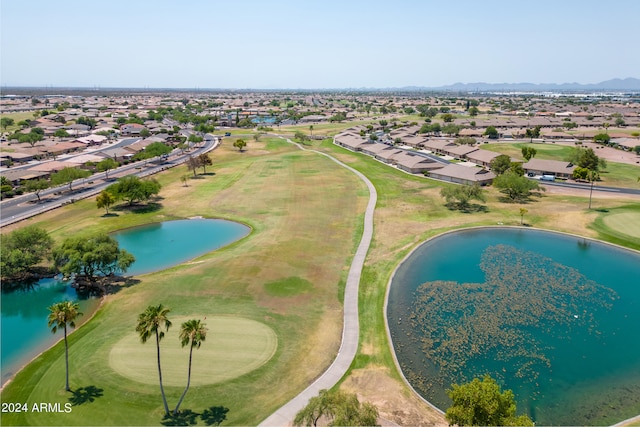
(548, 178)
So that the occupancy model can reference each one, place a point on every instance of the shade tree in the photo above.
(91, 255)
(67, 175)
(22, 249)
(106, 165)
(105, 200)
(515, 186)
(482, 403)
(36, 186)
(132, 189)
(459, 196)
(338, 408)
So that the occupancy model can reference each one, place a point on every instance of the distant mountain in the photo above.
(628, 84)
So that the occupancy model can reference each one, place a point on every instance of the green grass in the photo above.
(288, 287)
(409, 211)
(544, 151)
(234, 347)
(17, 117)
(615, 174)
(303, 226)
(620, 225)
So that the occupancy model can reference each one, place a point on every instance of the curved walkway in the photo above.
(351, 328)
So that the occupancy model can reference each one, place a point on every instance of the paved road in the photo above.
(23, 207)
(596, 187)
(351, 328)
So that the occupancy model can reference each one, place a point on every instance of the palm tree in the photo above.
(62, 314)
(194, 332)
(149, 322)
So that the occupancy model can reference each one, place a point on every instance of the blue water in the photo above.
(166, 244)
(156, 246)
(594, 377)
(24, 328)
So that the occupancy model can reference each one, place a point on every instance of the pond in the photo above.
(24, 320)
(166, 244)
(156, 246)
(553, 317)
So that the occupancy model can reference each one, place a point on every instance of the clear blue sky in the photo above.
(290, 44)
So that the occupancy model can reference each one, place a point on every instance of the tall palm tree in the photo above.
(150, 322)
(194, 332)
(62, 314)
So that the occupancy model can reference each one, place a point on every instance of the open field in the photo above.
(287, 274)
(17, 117)
(303, 210)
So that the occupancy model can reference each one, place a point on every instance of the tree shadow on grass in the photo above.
(186, 417)
(466, 208)
(139, 208)
(109, 215)
(84, 395)
(212, 416)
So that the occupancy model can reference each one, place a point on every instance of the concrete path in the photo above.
(350, 333)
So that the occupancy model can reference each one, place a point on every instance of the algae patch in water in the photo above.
(463, 328)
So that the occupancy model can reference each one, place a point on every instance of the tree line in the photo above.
(88, 256)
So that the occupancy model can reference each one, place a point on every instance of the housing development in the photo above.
(316, 257)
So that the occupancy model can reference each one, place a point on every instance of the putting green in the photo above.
(625, 222)
(233, 347)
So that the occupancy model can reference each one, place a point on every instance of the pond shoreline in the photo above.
(462, 230)
(44, 347)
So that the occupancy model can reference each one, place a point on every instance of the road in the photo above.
(596, 187)
(26, 206)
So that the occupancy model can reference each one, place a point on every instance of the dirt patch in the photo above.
(396, 403)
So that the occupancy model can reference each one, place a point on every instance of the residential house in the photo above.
(131, 129)
(463, 174)
(481, 157)
(459, 151)
(438, 146)
(557, 168)
(415, 163)
(350, 141)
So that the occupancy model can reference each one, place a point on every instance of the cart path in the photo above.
(351, 328)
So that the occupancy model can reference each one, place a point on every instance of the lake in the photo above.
(165, 244)
(24, 320)
(155, 246)
(553, 317)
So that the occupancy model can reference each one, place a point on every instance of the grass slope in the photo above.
(302, 208)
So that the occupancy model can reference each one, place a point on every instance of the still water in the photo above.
(579, 364)
(156, 246)
(25, 332)
(166, 244)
